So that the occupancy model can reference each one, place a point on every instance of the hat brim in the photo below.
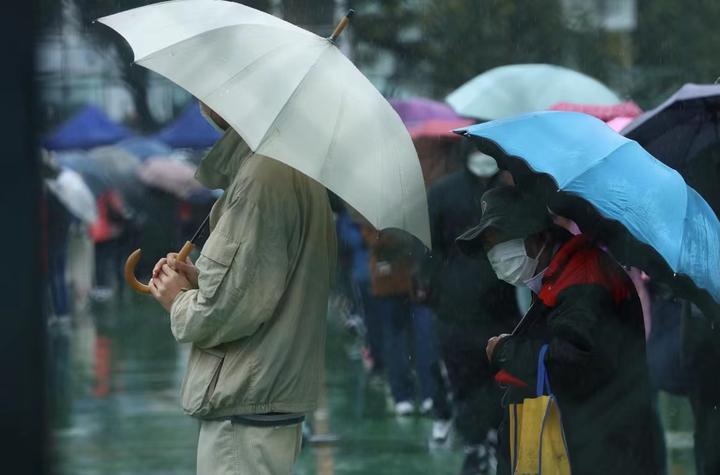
(470, 242)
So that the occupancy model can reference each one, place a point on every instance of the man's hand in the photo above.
(186, 268)
(492, 342)
(167, 284)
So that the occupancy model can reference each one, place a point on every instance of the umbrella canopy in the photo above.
(425, 118)
(642, 209)
(74, 194)
(121, 168)
(189, 130)
(117, 162)
(292, 96)
(515, 89)
(92, 171)
(90, 127)
(417, 110)
(604, 113)
(173, 176)
(619, 123)
(144, 147)
(682, 127)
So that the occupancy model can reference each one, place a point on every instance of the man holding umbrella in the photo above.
(587, 311)
(254, 309)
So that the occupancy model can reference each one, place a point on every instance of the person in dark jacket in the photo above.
(472, 305)
(587, 310)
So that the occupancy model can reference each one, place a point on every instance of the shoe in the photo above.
(404, 408)
(440, 432)
(426, 406)
(476, 461)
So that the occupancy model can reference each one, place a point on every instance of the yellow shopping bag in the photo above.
(537, 440)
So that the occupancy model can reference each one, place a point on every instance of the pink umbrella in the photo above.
(619, 123)
(604, 113)
(439, 128)
(170, 175)
(425, 118)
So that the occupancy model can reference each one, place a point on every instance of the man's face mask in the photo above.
(511, 263)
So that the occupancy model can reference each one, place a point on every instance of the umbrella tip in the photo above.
(342, 25)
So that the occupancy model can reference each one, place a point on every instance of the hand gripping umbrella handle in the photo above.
(133, 259)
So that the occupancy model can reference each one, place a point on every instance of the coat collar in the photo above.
(221, 164)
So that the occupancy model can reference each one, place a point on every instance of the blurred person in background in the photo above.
(472, 305)
(701, 336)
(408, 332)
(107, 232)
(57, 227)
(354, 251)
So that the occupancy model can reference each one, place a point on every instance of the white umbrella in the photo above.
(74, 194)
(292, 96)
(519, 88)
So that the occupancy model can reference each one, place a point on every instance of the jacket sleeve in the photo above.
(243, 272)
(576, 361)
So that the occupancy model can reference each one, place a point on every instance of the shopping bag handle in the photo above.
(543, 382)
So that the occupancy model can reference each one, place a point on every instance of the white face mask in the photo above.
(482, 165)
(511, 263)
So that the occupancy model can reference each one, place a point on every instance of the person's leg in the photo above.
(472, 387)
(426, 351)
(395, 323)
(225, 447)
(476, 398)
(101, 265)
(373, 324)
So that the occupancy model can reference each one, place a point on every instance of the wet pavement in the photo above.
(114, 375)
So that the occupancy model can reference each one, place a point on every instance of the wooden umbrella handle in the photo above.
(342, 25)
(133, 260)
(185, 251)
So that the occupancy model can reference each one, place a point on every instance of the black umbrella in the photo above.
(682, 127)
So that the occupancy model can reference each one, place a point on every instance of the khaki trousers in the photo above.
(227, 448)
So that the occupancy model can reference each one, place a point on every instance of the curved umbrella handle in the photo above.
(133, 259)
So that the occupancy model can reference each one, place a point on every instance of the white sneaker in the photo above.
(426, 406)
(404, 408)
(441, 430)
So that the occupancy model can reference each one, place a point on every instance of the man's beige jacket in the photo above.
(257, 320)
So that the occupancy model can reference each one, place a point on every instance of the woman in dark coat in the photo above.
(588, 312)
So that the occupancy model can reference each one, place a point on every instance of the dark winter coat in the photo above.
(589, 314)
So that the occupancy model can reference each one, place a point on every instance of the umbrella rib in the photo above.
(334, 134)
(249, 65)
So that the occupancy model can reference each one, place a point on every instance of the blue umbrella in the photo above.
(642, 209)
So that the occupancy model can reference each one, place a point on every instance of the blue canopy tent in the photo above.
(89, 128)
(190, 130)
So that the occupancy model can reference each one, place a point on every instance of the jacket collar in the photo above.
(565, 253)
(223, 161)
